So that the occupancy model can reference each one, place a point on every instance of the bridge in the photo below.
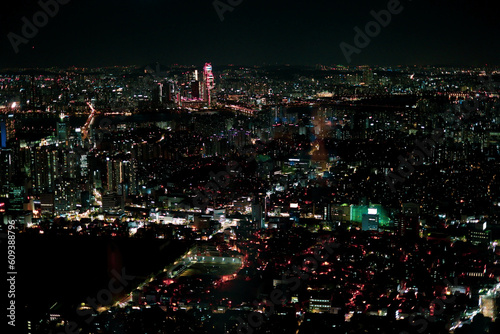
(241, 109)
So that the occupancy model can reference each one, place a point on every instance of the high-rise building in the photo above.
(368, 76)
(3, 134)
(121, 174)
(62, 130)
(209, 83)
(40, 170)
(44, 164)
(109, 174)
(408, 224)
(337, 213)
(6, 170)
(158, 93)
(66, 195)
(258, 215)
(370, 221)
(16, 198)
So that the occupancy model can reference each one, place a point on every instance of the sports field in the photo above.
(212, 269)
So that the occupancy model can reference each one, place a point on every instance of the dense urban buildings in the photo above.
(253, 199)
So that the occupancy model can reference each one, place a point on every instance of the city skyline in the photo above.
(250, 167)
(230, 199)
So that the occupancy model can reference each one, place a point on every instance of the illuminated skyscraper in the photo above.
(3, 134)
(408, 224)
(66, 195)
(6, 171)
(121, 177)
(209, 83)
(370, 221)
(62, 130)
(258, 214)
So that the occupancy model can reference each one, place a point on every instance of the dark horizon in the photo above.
(120, 33)
(47, 70)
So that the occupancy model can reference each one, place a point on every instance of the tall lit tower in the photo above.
(409, 221)
(208, 78)
(3, 134)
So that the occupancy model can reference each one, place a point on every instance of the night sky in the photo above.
(132, 32)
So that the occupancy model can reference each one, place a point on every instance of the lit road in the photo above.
(122, 302)
(486, 307)
(90, 121)
(243, 110)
